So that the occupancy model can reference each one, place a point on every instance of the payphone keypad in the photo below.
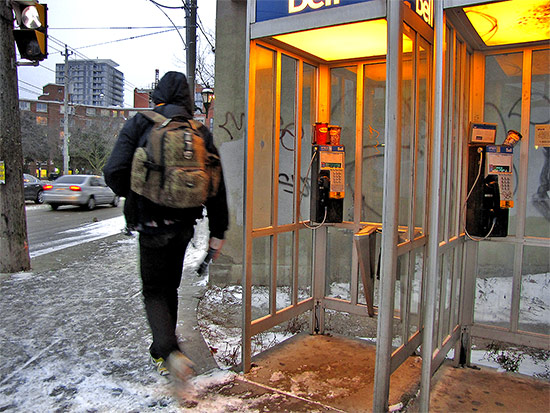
(506, 190)
(337, 180)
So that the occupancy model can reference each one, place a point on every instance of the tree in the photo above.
(41, 143)
(14, 253)
(34, 141)
(204, 71)
(91, 146)
(205, 67)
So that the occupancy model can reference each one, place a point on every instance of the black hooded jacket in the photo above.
(172, 100)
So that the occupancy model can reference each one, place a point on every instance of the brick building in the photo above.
(42, 126)
(142, 99)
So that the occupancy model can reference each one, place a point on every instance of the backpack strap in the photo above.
(156, 117)
(195, 124)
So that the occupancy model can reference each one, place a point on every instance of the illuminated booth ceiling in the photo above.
(509, 22)
(494, 23)
(347, 41)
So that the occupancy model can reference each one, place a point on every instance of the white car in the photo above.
(86, 191)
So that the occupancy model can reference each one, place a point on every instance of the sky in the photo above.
(80, 24)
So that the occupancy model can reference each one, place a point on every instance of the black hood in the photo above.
(173, 89)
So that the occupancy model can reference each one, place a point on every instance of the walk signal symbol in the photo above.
(31, 36)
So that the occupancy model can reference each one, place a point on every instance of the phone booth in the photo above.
(358, 166)
(317, 166)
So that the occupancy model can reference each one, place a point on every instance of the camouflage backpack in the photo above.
(175, 169)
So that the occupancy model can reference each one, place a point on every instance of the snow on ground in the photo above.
(529, 366)
(494, 298)
(76, 339)
(81, 235)
(223, 335)
(219, 318)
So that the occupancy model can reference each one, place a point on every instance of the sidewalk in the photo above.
(74, 338)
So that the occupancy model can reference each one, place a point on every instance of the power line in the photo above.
(166, 7)
(160, 7)
(47, 68)
(114, 28)
(76, 52)
(125, 84)
(204, 34)
(56, 50)
(127, 38)
(30, 84)
(59, 42)
(27, 90)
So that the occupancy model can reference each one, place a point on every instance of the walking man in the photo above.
(164, 232)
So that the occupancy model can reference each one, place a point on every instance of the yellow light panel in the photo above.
(347, 41)
(512, 21)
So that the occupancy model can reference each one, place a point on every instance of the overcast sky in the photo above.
(138, 58)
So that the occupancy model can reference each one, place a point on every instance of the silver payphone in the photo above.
(328, 183)
(327, 174)
(492, 195)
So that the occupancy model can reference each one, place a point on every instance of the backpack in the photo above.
(175, 169)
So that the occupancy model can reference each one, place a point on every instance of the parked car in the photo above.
(86, 191)
(33, 188)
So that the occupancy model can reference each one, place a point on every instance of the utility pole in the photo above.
(14, 251)
(66, 114)
(191, 41)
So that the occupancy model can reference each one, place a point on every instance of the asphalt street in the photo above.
(68, 226)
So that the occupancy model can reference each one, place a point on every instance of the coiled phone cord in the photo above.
(480, 151)
(302, 195)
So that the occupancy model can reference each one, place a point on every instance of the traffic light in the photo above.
(31, 36)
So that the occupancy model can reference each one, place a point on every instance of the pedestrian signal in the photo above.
(31, 34)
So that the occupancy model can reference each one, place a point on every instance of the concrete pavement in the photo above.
(73, 333)
(74, 338)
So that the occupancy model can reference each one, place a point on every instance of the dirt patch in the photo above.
(333, 371)
(485, 390)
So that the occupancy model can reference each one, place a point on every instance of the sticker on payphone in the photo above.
(334, 163)
(499, 162)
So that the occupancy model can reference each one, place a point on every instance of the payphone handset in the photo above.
(491, 194)
(499, 164)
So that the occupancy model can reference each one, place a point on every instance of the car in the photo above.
(34, 188)
(86, 191)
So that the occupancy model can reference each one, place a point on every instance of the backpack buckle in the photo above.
(187, 145)
(164, 124)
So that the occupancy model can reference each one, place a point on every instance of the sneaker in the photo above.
(180, 366)
(160, 364)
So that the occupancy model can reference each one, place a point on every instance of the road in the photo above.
(50, 231)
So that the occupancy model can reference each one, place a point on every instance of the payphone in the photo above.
(327, 181)
(327, 175)
(490, 179)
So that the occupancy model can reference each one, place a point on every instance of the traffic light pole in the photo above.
(191, 41)
(14, 251)
(66, 114)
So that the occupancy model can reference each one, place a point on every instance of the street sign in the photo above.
(2, 172)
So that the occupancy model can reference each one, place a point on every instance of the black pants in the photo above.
(161, 265)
